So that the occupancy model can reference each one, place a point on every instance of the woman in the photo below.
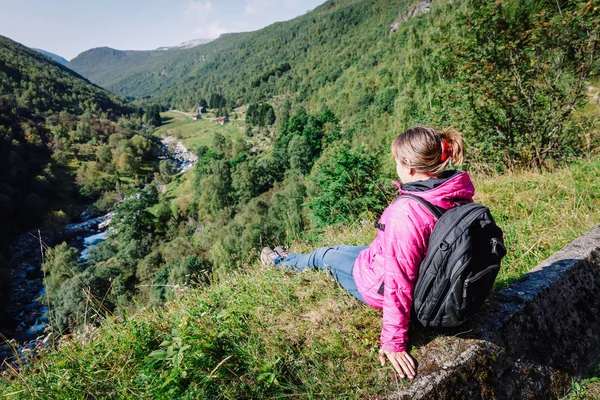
(383, 274)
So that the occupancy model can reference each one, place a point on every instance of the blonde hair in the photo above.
(420, 148)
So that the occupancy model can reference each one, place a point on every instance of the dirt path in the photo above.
(182, 113)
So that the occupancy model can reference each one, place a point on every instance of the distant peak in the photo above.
(186, 45)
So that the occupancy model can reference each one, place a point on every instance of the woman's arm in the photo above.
(404, 249)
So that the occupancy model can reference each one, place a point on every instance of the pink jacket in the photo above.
(397, 251)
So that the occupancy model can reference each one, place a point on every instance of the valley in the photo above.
(292, 148)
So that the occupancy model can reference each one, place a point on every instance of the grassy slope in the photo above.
(195, 134)
(263, 332)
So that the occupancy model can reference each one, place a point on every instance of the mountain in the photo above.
(53, 56)
(106, 66)
(38, 84)
(325, 42)
(186, 45)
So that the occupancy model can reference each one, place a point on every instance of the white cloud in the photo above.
(199, 9)
(210, 30)
(199, 12)
(255, 6)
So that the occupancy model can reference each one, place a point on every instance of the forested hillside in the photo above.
(489, 69)
(235, 63)
(36, 95)
(61, 139)
(40, 85)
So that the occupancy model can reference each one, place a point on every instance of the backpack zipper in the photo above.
(495, 244)
(477, 276)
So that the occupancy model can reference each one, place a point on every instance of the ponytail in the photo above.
(455, 140)
(427, 150)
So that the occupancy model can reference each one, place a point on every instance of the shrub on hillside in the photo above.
(346, 184)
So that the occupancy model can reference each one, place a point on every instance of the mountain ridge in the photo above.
(282, 42)
(22, 66)
(104, 65)
(186, 45)
(53, 56)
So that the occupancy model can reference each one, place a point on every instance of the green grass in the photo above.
(266, 333)
(541, 213)
(261, 333)
(586, 389)
(195, 134)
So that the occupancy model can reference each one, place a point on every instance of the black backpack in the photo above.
(463, 258)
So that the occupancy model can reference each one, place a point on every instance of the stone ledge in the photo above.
(530, 340)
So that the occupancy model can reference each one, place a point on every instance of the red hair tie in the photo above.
(446, 150)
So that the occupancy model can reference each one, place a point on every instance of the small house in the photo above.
(200, 110)
(196, 117)
(222, 120)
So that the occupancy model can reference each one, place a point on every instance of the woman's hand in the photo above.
(401, 361)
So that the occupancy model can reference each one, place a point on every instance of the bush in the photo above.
(345, 185)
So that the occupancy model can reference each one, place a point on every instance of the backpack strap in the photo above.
(435, 210)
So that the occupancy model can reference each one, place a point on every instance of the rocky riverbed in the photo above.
(27, 277)
(177, 152)
(26, 308)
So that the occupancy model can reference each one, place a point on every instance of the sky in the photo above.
(70, 27)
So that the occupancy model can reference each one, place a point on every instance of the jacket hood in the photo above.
(450, 189)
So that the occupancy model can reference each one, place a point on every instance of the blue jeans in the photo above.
(338, 260)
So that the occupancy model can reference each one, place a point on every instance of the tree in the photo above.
(132, 217)
(217, 101)
(260, 114)
(216, 188)
(523, 66)
(56, 221)
(299, 153)
(153, 116)
(385, 100)
(285, 217)
(126, 163)
(60, 264)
